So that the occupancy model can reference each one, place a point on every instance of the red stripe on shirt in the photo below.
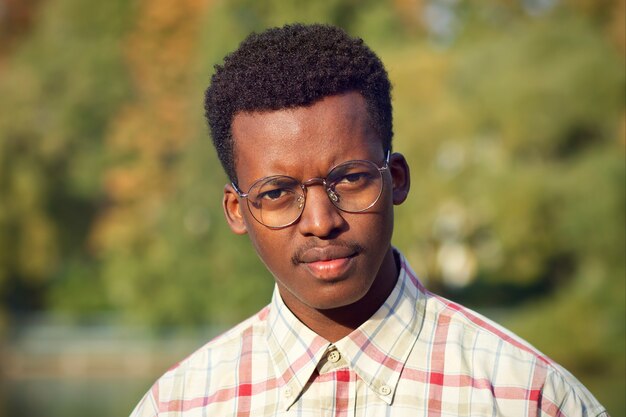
(437, 361)
(343, 378)
(222, 395)
(535, 394)
(305, 358)
(360, 339)
(550, 408)
(244, 389)
(509, 393)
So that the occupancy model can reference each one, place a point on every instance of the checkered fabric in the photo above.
(418, 355)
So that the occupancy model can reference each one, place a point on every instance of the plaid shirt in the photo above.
(418, 355)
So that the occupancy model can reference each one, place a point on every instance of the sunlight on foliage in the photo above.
(511, 115)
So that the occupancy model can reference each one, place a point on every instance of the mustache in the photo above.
(352, 246)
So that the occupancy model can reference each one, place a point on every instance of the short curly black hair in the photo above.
(292, 66)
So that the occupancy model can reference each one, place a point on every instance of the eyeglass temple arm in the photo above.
(384, 167)
(238, 191)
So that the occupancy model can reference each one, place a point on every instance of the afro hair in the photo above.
(293, 66)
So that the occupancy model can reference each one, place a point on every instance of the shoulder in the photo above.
(462, 325)
(220, 356)
(212, 370)
(503, 362)
(225, 347)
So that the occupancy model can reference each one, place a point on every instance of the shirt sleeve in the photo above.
(564, 395)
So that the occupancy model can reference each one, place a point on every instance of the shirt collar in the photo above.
(377, 351)
(294, 349)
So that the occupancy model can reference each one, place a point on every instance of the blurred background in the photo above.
(115, 260)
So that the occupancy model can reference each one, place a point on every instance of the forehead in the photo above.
(304, 140)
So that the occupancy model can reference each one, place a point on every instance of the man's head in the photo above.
(294, 66)
(290, 109)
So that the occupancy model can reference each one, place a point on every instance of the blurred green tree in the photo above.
(516, 142)
(59, 89)
(511, 115)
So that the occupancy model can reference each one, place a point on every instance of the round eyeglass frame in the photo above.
(313, 181)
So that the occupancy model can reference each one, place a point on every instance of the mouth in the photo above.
(329, 263)
(331, 269)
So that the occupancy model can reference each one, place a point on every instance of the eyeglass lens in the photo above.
(279, 200)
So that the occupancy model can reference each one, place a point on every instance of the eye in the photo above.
(353, 177)
(353, 181)
(273, 194)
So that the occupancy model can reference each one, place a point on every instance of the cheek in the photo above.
(381, 225)
(271, 247)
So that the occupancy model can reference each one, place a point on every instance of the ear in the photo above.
(400, 177)
(232, 210)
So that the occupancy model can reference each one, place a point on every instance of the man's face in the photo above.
(328, 258)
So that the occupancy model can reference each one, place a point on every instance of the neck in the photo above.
(334, 324)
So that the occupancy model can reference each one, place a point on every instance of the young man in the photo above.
(301, 120)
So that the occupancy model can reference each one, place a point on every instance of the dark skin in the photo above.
(333, 269)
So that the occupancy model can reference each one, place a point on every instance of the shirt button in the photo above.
(384, 390)
(287, 392)
(334, 356)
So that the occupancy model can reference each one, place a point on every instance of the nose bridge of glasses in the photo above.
(314, 181)
(321, 181)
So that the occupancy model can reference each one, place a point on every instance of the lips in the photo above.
(329, 253)
(328, 263)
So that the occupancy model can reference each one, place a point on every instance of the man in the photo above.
(301, 120)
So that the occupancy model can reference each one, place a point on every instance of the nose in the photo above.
(320, 217)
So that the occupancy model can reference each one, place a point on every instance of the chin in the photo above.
(332, 299)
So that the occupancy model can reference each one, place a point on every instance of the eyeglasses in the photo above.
(278, 201)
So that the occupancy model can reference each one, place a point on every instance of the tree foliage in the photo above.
(511, 115)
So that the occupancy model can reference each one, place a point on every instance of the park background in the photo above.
(115, 260)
